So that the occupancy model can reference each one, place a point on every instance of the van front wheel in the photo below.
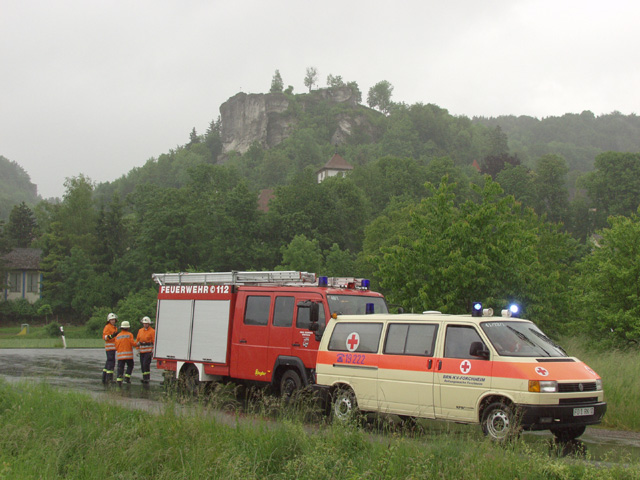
(345, 405)
(499, 422)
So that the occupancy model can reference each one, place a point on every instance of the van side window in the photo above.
(458, 341)
(283, 311)
(368, 341)
(410, 339)
(257, 310)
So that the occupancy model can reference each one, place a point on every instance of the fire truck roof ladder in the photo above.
(234, 278)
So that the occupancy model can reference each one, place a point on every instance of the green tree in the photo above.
(550, 184)
(613, 186)
(22, 226)
(310, 77)
(379, 96)
(334, 81)
(339, 263)
(451, 256)
(302, 254)
(193, 137)
(608, 284)
(277, 85)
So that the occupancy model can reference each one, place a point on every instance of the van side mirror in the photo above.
(478, 349)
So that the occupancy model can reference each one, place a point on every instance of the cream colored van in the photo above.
(500, 372)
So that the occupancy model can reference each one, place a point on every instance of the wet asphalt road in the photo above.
(81, 370)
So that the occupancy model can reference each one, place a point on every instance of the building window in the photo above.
(33, 280)
(14, 282)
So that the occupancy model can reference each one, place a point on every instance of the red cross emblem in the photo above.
(465, 366)
(543, 372)
(353, 340)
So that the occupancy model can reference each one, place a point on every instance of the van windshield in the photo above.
(355, 304)
(520, 339)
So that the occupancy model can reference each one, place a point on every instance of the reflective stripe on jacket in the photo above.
(146, 336)
(109, 344)
(125, 345)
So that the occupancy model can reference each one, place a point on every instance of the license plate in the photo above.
(582, 412)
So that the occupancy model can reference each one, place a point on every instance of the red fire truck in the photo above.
(251, 327)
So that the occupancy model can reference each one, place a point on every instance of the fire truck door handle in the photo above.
(439, 364)
(242, 340)
(296, 344)
(430, 364)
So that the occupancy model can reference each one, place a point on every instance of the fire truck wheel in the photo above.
(567, 434)
(290, 383)
(499, 422)
(188, 380)
(345, 405)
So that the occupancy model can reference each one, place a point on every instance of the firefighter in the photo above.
(109, 336)
(124, 353)
(144, 341)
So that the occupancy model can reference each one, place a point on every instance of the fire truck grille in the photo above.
(577, 387)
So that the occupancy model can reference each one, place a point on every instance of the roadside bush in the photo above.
(18, 310)
(53, 329)
(98, 320)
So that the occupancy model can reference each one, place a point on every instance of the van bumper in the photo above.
(543, 417)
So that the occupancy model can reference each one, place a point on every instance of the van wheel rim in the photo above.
(343, 407)
(498, 425)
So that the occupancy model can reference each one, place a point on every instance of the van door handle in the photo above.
(296, 345)
(430, 364)
(439, 364)
(242, 341)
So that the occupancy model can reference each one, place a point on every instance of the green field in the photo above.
(38, 337)
(49, 434)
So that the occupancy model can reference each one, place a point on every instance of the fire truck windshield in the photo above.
(355, 304)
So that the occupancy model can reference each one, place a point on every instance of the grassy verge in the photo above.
(619, 371)
(49, 434)
(38, 337)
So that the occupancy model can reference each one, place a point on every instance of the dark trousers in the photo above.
(127, 374)
(145, 363)
(110, 364)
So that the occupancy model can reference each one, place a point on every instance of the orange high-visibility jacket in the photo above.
(147, 337)
(125, 345)
(109, 344)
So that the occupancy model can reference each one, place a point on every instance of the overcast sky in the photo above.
(99, 87)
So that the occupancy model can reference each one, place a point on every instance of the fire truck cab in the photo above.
(251, 327)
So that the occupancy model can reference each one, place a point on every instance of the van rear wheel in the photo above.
(345, 406)
(499, 422)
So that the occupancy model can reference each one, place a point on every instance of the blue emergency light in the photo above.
(514, 309)
(476, 309)
(323, 281)
(369, 308)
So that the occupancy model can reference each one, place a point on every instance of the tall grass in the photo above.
(48, 434)
(619, 371)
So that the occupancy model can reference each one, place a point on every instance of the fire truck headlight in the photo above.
(543, 386)
(599, 384)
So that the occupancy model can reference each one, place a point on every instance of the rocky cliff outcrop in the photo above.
(266, 118)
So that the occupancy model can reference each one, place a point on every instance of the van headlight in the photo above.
(543, 386)
(599, 384)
